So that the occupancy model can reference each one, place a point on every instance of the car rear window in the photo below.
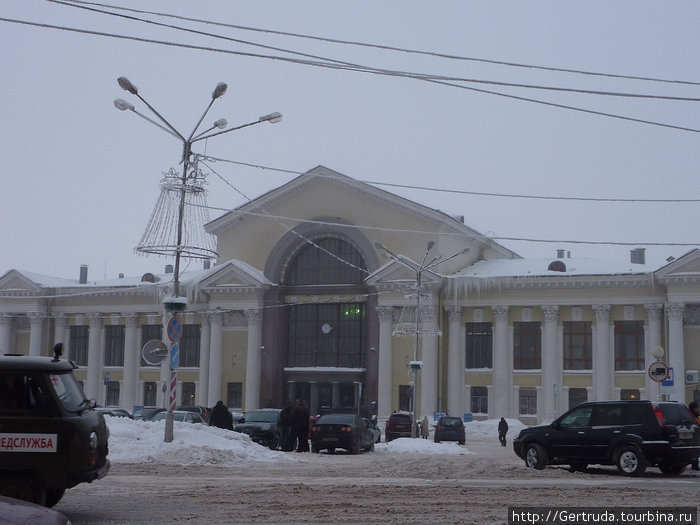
(676, 413)
(341, 419)
(451, 422)
(400, 418)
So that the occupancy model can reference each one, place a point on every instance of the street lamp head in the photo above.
(126, 85)
(430, 245)
(123, 105)
(221, 123)
(272, 118)
(219, 90)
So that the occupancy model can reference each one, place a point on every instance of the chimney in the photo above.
(207, 264)
(637, 256)
(168, 268)
(560, 254)
(121, 275)
(83, 274)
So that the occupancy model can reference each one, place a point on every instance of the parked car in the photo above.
(198, 409)
(114, 412)
(237, 416)
(183, 416)
(449, 429)
(347, 431)
(398, 425)
(374, 429)
(146, 412)
(261, 426)
(18, 512)
(51, 440)
(629, 434)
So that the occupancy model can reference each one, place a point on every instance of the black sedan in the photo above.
(346, 431)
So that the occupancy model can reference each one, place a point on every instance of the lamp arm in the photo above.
(201, 119)
(200, 137)
(162, 118)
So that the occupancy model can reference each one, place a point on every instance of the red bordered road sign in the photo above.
(658, 371)
(174, 329)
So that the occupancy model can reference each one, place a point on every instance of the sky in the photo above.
(133, 441)
(80, 179)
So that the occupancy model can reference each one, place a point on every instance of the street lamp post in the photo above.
(176, 304)
(417, 365)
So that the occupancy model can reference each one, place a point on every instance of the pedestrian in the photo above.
(502, 431)
(424, 428)
(221, 416)
(300, 425)
(695, 409)
(285, 427)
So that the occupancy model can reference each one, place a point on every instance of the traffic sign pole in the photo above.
(174, 331)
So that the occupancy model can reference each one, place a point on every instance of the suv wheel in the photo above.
(535, 456)
(630, 461)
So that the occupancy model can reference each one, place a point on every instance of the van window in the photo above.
(68, 391)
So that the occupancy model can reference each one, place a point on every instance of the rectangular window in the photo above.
(480, 400)
(479, 345)
(234, 395)
(527, 346)
(629, 345)
(114, 345)
(189, 345)
(79, 344)
(150, 332)
(578, 347)
(187, 394)
(149, 394)
(577, 396)
(405, 397)
(629, 394)
(528, 401)
(112, 394)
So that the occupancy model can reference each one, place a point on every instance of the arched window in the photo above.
(329, 260)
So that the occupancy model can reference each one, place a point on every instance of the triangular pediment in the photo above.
(233, 275)
(686, 265)
(16, 282)
(402, 271)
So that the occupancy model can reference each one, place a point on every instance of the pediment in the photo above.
(233, 275)
(402, 271)
(16, 282)
(687, 265)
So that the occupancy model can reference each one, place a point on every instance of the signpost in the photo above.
(174, 331)
(658, 371)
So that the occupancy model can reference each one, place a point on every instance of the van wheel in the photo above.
(535, 456)
(54, 496)
(22, 487)
(630, 461)
(672, 470)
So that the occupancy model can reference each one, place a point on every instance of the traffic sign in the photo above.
(174, 356)
(658, 371)
(174, 329)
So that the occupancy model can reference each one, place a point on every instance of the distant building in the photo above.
(303, 304)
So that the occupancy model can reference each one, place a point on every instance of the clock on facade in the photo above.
(326, 328)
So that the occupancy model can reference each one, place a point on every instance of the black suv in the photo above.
(629, 434)
(261, 426)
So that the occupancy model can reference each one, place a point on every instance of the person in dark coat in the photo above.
(221, 417)
(285, 428)
(300, 425)
(502, 431)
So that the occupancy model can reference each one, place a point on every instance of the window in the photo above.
(527, 349)
(326, 335)
(149, 394)
(629, 345)
(577, 396)
(627, 394)
(112, 394)
(114, 345)
(528, 401)
(405, 397)
(234, 395)
(480, 400)
(189, 346)
(577, 418)
(578, 347)
(79, 344)
(479, 345)
(188, 394)
(327, 261)
(150, 332)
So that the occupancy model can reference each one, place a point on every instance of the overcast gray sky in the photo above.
(80, 179)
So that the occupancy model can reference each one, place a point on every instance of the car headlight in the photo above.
(266, 427)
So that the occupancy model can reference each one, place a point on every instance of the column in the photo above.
(429, 374)
(455, 362)
(60, 334)
(253, 368)
(335, 394)
(94, 373)
(215, 358)
(6, 334)
(202, 390)
(291, 391)
(499, 405)
(132, 360)
(652, 337)
(676, 351)
(551, 366)
(603, 365)
(36, 322)
(384, 370)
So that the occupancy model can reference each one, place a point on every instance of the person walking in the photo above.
(285, 427)
(221, 416)
(424, 428)
(695, 409)
(300, 425)
(502, 431)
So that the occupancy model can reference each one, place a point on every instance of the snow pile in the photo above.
(489, 429)
(420, 446)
